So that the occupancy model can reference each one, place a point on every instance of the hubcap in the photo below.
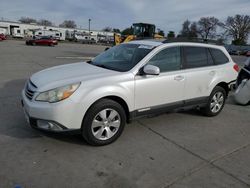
(106, 124)
(217, 102)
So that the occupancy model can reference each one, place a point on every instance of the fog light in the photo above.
(48, 125)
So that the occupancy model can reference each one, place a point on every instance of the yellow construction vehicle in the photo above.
(140, 31)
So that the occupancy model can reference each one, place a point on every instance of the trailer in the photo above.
(3, 31)
(59, 35)
(17, 32)
(85, 37)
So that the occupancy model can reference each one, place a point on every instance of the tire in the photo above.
(215, 103)
(103, 122)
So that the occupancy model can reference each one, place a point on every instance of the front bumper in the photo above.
(54, 117)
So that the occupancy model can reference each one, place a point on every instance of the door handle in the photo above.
(179, 78)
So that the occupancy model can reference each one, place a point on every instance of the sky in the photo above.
(165, 14)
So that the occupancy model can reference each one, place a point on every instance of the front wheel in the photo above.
(104, 122)
(216, 102)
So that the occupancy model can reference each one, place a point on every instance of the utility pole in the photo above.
(89, 27)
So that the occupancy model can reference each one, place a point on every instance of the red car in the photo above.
(42, 41)
(2, 37)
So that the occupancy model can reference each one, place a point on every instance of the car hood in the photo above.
(67, 74)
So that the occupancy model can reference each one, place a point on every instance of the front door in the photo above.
(164, 90)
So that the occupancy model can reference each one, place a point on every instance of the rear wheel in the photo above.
(104, 122)
(216, 102)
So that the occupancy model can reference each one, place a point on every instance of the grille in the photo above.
(30, 90)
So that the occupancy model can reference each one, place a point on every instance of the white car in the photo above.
(128, 81)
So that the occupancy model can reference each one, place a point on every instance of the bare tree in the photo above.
(68, 24)
(189, 30)
(237, 27)
(116, 30)
(185, 29)
(160, 32)
(108, 29)
(45, 22)
(193, 30)
(206, 27)
(171, 35)
(27, 20)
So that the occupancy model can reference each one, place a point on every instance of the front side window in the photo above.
(122, 57)
(168, 59)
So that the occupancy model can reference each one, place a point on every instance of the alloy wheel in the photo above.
(106, 124)
(217, 102)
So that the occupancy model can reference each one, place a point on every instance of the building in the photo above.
(21, 30)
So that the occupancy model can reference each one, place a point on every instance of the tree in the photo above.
(193, 30)
(128, 31)
(237, 27)
(206, 27)
(116, 30)
(107, 29)
(68, 24)
(189, 30)
(185, 29)
(45, 22)
(171, 34)
(160, 32)
(27, 20)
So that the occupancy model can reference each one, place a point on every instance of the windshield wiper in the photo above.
(89, 62)
(102, 66)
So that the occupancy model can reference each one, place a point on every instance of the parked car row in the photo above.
(44, 40)
(245, 52)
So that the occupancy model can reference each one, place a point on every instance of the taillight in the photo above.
(236, 68)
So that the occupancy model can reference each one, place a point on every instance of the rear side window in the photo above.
(168, 59)
(219, 56)
(197, 57)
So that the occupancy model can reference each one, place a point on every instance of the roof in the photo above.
(159, 42)
(147, 42)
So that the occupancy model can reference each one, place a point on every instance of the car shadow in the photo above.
(12, 119)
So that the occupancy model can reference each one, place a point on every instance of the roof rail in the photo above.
(195, 40)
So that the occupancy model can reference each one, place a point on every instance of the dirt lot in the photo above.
(172, 150)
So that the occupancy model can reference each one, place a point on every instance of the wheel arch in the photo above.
(224, 85)
(115, 98)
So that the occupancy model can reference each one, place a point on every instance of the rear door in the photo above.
(200, 72)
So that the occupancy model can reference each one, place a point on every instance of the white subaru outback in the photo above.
(128, 81)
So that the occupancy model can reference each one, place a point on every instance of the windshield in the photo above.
(123, 57)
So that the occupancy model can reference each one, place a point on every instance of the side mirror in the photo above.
(151, 70)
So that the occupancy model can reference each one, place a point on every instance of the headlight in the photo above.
(58, 94)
